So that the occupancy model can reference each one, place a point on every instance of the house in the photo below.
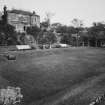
(22, 19)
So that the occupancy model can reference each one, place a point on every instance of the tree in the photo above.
(78, 26)
(51, 38)
(34, 31)
(97, 33)
(61, 29)
(4, 16)
(47, 37)
(77, 23)
(8, 35)
(66, 38)
(48, 17)
(84, 37)
(45, 25)
(66, 33)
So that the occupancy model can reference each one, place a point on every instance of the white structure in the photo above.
(23, 47)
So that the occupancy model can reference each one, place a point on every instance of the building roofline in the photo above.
(22, 12)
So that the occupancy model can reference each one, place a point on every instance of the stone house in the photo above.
(22, 19)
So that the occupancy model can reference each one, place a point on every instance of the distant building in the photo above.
(22, 19)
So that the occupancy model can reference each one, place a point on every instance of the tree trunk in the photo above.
(83, 44)
(77, 41)
(43, 46)
(50, 46)
(96, 43)
(88, 43)
(101, 43)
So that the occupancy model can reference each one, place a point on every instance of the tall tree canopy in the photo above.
(34, 31)
(97, 34)
(8, 36)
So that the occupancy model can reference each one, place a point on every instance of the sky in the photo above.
(63, 11)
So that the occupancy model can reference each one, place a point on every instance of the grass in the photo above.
(47, 76)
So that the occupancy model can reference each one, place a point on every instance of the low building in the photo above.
(22, 19)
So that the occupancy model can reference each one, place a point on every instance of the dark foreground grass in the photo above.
(45, 76)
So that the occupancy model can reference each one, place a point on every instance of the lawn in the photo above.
(56, 77)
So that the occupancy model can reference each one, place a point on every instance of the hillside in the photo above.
(55, 77)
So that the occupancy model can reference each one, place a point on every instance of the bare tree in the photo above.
(77, 23)
(48, 16)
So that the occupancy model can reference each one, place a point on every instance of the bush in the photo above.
(40, 46)
(47, 46)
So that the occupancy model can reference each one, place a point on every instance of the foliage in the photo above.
(50, 37)
(5, 15)
(77, 23)
(34, 30)
(66, 38)
(93, 36)
(48, 16)
(97, 33)
(66, 33)
(61, 29)
(47, 37)
(44, 24)
(8, 35)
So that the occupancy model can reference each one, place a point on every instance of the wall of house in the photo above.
(19, 21)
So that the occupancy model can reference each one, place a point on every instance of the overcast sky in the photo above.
(64, 10)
